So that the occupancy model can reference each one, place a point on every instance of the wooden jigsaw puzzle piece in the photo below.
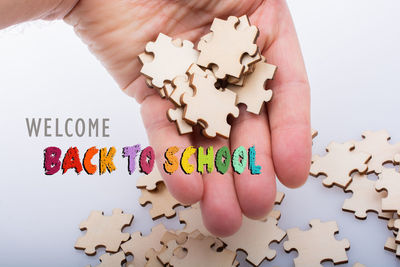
(377, 144)
(217, 49)
(104, 231)
(150, 181)
(253, 93)
(138, 245)
(317, 244)
(389, 180)
(365, 198)
(337, 165)
(176, 115)
(169, 59)
(163, 203)
(210, 106)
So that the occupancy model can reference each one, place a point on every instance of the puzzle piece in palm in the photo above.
(103, 231)
(253, 93)
(227, 46)
(181, 84)
(169, 59)
(176, 115)
(210, 106)
(338, 164)
(365, 198)
(376, 144)
(317, 244)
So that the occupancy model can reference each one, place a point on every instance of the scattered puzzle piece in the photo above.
(152, 260)
(193, 220)
(169, 59)
(389, 180)
(376, 144)
(176, 115)
(103, 231)
(338, 164)
(218, 50)
(163, 203)
(248, 239)
(253, 93)
(200, 253)
(112, 260)
(365, 198)
(210, 106)
(276, 213)
(357, 264)
(150, 181)
(391, 246)
(397, 226)
(138, 245)
(317, 244)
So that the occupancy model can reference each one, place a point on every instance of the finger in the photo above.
(256, 193)
(220, 208)
(187, 189)
(289, 110)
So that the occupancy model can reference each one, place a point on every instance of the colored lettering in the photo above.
(239, 159)
(185, 165)
(222, 159)
(106, 160)
(146, 160)
(72, 161)
(205, 159)
(172, 163)
(87, 160)
(52, 162)
(131, 153)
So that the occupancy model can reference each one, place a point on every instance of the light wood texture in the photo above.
(254, 237)
(163, 203)
(376, 144)
(338, 164)
(220, 51)
(150, 181)
(170, 60)
(112, 260)
(176, 115)
(210, 106)
(252, 93)
(389, 180)
(365, 198)
(200, 254)
(103, 231)
(138, 245)
(317, 244)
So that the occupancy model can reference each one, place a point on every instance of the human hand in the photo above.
(117, 31)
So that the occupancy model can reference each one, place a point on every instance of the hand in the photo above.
(117, 31)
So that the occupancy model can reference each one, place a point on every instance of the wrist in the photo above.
(61, 9)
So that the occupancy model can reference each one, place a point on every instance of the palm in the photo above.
(281, 133)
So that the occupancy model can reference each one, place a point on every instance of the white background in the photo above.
(351, 49)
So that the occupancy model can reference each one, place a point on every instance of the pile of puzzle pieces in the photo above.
(207, 84)
(348, 166)
(194, 245)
